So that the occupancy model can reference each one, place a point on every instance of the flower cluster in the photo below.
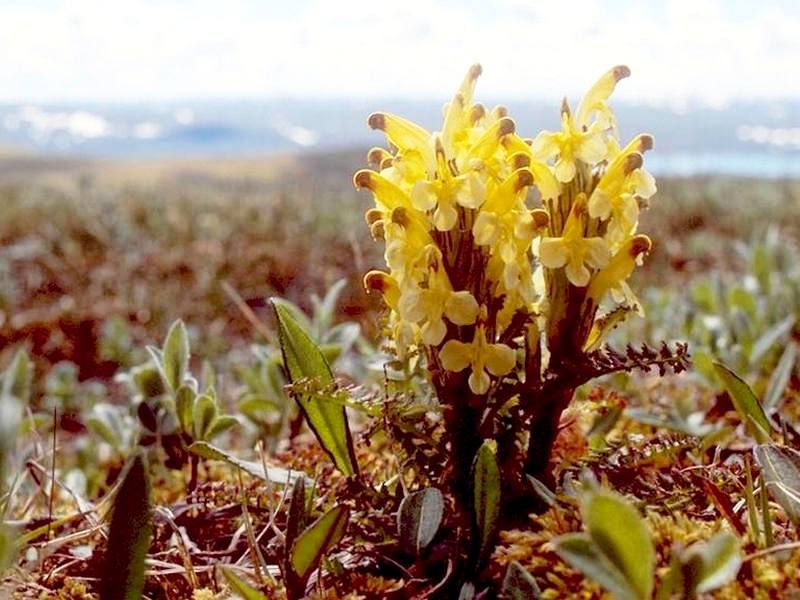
(486, 231)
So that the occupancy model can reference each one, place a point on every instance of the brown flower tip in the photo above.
(474, 72)
(400, 216)
(520, 160)
(499, 111)
(377, 155)
(505, 127)
(524, 179)
(541, 218)
(373, 215)
(377, 230)
(477, 113)
(621, 72)
(565, 107)
(640, 244)
(376, 280)
(646, 142)
(633, 161)
(363, 179)
(377, 121)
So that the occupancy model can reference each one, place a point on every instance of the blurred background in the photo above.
(151, 151)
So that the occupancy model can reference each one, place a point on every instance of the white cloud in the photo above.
(93, 49)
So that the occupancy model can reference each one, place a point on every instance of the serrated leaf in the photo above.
(486, 488)
(780, 378)
(273, 474)
(581, 553)
(419, 518)
(240, 587)
(745, 401)
(304, 360)
(518, 584)
(322, 535)
(129, 536)
(175, 355)
(769, 338)
(621, 535)
(780, 471)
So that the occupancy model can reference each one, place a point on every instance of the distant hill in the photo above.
(752, 138)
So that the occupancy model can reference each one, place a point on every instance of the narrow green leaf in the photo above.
(241, 587)
(621, 535)
(419, 518)
(322, 535)
(486, 488)
(184, 407)
(129, 536)
(296, 519)
(175, 356)
(769, 338)
(304, 360)
(780, 378)
(518, 584)
(17, 378)
(273, 474)
(780, 473)
(745, 401)
(467, 591)
(581, 552)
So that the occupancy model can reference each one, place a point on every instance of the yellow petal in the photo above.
(595, 98)
(592, 149)
(500, 359)
(455, 356)
(577, 273)
(385, 192)
(564, 170)
(445, 217)
(433, 332)
(461, 308)
(479, 382)
(423, 196)
(485, 228)
(553, 253)
(545, 145)
(402, 133)
(597, 252)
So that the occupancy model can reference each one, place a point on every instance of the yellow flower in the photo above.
(625, 181)
(481, 356)
(429, 305)
(574, 251)
(614, 276)
(580, 140)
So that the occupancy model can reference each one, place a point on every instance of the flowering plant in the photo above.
(508, 264)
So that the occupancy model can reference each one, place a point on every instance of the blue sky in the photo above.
(711, 50)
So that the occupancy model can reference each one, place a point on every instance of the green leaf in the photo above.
(240, 587)
(184, 407)
(769, 338)
(304, 360)
(745, 402)
(621, 536)
(175, 356)
(419, 518)
(780, 378)
(715, 562)
(322, 535)
(273, 474)
(296, 519)
(129, 536)
(204, 413)
(780, 472)
(220, 425)
(582, 553)
(518, 584)
(486, 489)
